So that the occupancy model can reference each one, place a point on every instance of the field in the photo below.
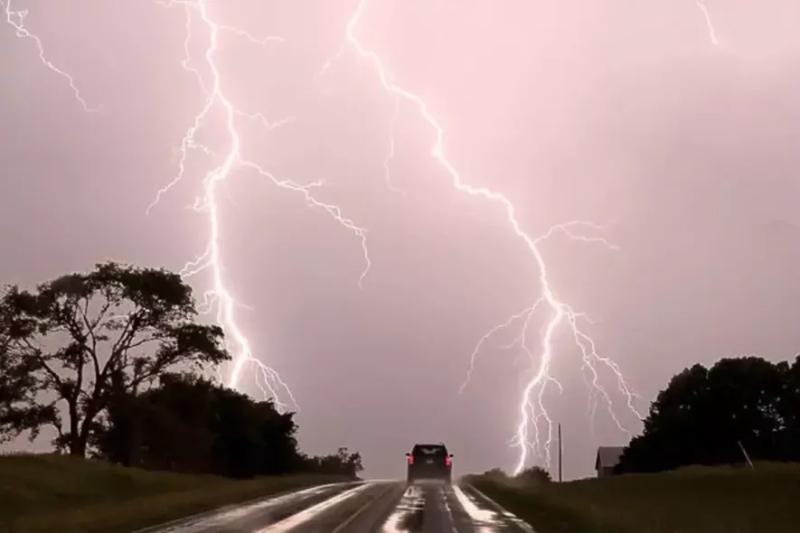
(690, 500)
(43, 493)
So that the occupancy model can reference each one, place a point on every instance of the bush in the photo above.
(342, 463)
(534, 475)
(191, 425)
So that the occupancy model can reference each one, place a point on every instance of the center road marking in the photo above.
(313, 511)
(341, 527)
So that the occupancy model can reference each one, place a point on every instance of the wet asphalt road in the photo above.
(371, 506)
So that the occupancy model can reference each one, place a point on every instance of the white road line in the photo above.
(206, 521)
(520, 523)
(449, 512)
(312, 512)
(481, 517)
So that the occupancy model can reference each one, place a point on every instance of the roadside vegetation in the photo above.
(690, 470)
(713, 416)
(61, 493)
(115, 362)
(723, 499)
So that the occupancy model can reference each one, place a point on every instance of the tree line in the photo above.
(712, 416)
(113, 360)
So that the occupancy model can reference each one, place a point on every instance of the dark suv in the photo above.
(429, 461)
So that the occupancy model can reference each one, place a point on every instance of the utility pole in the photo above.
(746, 456)
(560, 449)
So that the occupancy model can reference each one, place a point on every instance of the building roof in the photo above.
(608, 456)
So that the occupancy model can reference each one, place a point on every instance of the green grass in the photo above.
(690, 500)
(43, 493)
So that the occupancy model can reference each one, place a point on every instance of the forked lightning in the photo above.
(232, 160)
(534, 431)
(531, 406)
(712, 32)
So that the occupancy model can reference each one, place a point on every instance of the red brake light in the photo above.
(448, 461)
(410, 458)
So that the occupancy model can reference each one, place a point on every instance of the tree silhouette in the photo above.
(189, 424)
(705, 415)
(68, 346)
(343, 463)
(18, 385)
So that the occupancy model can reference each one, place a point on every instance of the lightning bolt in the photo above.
(387, 162)
(559, 314)
(712, 33)
(232, 160)
(16, 19)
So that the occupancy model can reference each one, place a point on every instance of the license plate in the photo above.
(429, 461)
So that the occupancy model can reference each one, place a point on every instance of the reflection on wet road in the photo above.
(385, 506)
(438, 507)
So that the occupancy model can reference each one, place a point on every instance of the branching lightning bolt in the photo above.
(16, 18)
(712, 33)
(560, 314)
(220, 296)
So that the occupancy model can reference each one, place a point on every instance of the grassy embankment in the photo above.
(690, 500)
(43, 493)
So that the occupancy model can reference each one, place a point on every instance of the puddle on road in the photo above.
(407, 516)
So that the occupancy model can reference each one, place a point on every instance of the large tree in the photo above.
(69, 346)
(189, 424)
(706, 416)
(18, 385)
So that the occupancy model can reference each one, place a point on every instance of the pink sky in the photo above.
(622, 112)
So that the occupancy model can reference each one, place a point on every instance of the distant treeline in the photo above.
(711, 416)
(188, 424)
(94, 356)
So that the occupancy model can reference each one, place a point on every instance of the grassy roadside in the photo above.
(691, 500)
(44, 493)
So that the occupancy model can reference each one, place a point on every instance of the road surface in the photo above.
(363, 507)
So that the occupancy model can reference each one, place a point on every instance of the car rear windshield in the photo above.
(429, 450)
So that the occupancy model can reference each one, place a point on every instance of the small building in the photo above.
(607, 458)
